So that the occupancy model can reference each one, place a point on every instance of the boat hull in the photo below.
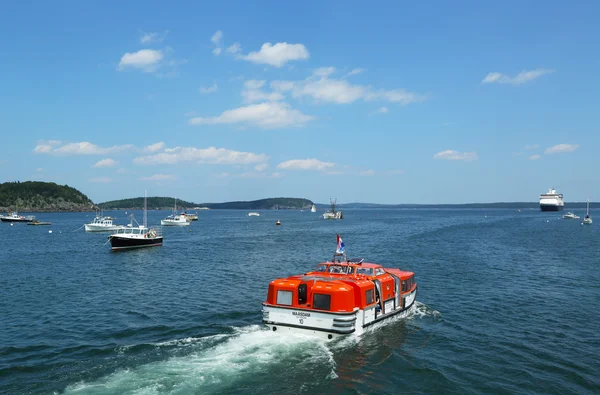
(126, 243)
(95, 228)
(173, 223)
(550, 207)
(15, 220)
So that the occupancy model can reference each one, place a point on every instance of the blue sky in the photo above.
(438, 102)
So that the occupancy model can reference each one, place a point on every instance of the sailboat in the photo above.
(313, 209)
(136, 237)
(174, 219)
(587, 220)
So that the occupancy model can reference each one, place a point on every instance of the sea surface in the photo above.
(509, 303)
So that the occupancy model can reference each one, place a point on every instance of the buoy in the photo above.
(49, 231)
(11, 224)
(278, 222)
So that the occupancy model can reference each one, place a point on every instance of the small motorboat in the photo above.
(15, 217)
(570, 215)
(175, 220)
(253, 214)
(102, 224)
(339, 298)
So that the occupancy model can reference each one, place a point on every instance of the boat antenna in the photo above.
(145, 210)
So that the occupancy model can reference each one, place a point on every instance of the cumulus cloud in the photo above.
(153, 37)
(216, 39)
(159, 177)
(277, 55)
(322, 88)
(262, 167)
(305, 164)
(147, 60)
(82, 148)
(253, 93)
(108, 162)
(455, 155)
(535, 157)
(154, 147)
(210, 155)
(521, 78)
(268, 115)
(559, 148)
(209, 89)
(234, 49)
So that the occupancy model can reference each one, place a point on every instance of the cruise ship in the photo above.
(551, 201)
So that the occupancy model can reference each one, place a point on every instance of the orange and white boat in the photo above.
(339, 298)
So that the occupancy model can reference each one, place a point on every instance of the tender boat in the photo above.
(136, 236)
(175, 220)
(102, 224)
(587, 220)
(339, 298)
(15, 217)
(332, 213)
(570, 215)
(253, 214)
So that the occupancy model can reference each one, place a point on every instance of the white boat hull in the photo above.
(99, 228)
(174, 223)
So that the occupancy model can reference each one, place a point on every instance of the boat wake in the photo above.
(216, 364)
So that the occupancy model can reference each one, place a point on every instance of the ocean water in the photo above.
(508, 303)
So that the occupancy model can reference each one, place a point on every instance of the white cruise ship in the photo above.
(551, 201)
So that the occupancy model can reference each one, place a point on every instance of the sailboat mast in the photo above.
(145, 210)
(588, 206)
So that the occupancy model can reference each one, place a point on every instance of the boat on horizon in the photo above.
(313, 209)
(551, 201)
(332, 213)
(253, 214)
(139, 236)
(340, 297)
(174, 219)
(15, 217)
(587, 220)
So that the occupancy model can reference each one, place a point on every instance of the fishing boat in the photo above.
(253, 214)
(332, 213)
(570, 215)
(15, 217)
(175, 220)
(587, 220)
(102, 224)
(340, 297)
(136, 236)
(313, 209)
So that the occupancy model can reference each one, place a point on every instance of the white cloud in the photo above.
(217, 37)
(381, 110)
(108, 162)
(324, 89)
(535, 157)
(261, 167)
(154, 147)
(159, 177)
(355, 72)
(455, 155)
(532, 147)
(154, 37)
(521, 78)
(235, 48)
(253, 93)
(367, 173)
(277, 55)
(305, 164)
(217, 51)
(101, 180)
(561, 148)
(82, 148)
(39, 169)
(210, 155)
(46, 146)
(210, 89)
(268, 115)
(324, 71)
(147, 60)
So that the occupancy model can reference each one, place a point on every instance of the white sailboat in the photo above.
(313, 209)
(587, 220)
(174, 219)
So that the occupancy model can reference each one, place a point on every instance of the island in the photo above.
(37, 196)
(165, 203)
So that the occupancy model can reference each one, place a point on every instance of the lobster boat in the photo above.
(340, 297)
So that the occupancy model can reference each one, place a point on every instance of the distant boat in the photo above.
(15, 217)
(102, 224)
(588, 220)
(36, 222)
(313, 209)
(278, 223)
(570, 215)
(551, 201)
(332, 213)
(136, 237)
(253, 214)
(190, 217)
(175, 220)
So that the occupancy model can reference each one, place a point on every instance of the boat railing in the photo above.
(158, 230)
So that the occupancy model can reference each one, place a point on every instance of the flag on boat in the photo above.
(340, 245)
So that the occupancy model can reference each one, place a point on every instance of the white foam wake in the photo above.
(214, 363)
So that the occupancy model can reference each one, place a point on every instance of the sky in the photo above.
(434, 102)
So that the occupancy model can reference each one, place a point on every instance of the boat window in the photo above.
(284, 297)
(136, 232)
(369, 296)
(379, 271)
(302, 294)
(321, 268)
(364, 270)
(321, 301)
(336, 269)
(404, 286)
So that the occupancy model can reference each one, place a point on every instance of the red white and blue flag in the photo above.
(340, 245)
